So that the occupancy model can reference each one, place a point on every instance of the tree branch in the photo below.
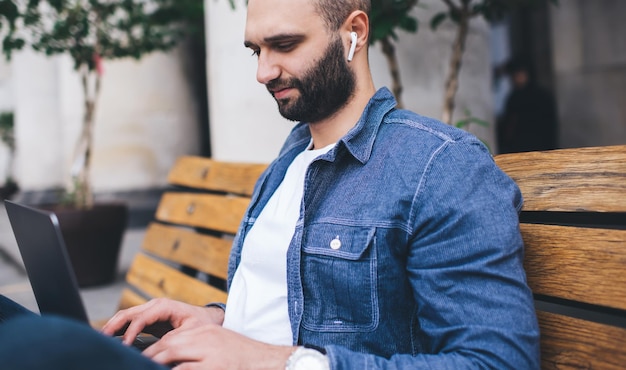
(392, 61)
(458, 48)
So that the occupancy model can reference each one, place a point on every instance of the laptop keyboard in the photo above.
(142, 341)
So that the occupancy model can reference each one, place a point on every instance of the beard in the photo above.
(324, 89)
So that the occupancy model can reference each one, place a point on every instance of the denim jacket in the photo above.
(407, 252)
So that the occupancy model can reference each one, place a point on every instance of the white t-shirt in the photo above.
(257, 299)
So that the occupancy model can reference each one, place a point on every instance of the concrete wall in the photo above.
(246, 125)
(146, 117)
(589, 53)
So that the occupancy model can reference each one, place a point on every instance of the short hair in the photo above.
(520, 63)
(335, 12)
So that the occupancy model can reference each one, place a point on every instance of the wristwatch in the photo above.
(307, 359)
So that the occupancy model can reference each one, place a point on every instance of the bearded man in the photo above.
(378, 239)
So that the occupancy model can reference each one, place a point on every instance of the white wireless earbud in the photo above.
(353, 37)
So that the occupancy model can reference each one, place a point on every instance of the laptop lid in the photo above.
(47, 263)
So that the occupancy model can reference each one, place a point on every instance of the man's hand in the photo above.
(159, 316)
(210, 346)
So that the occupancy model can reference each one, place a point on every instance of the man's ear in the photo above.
(357, 22)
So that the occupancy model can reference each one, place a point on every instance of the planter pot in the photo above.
(93, 238)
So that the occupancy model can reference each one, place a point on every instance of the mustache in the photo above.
(280, 84)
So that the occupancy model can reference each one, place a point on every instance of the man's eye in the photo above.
(256, 52)
(285, 47)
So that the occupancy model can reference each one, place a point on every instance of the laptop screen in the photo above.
(47, 264)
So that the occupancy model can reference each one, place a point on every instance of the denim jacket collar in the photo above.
(359, 141)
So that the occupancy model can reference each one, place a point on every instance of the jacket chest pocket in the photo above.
(339, 279)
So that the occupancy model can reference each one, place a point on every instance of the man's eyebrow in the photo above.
(284, 37)
(276, 39)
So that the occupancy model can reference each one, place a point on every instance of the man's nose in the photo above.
(267, 69)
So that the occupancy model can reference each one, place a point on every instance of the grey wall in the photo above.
(589, 56)
(146, 117)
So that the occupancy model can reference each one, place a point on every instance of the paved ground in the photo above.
(100, 302)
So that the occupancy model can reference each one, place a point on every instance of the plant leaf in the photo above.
(409, 23)
(437, 20)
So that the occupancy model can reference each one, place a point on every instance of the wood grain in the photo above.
(156, 279)
(205, 173)
(579, 264)
(569, 343)
(581, 179)
(215, 212)
(582, 264)
(204, 253)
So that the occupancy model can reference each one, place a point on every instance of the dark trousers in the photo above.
(32, 342)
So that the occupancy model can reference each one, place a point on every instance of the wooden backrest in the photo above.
(184, 254)
(574, 229)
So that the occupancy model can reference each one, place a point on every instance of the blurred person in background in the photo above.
(529, 120)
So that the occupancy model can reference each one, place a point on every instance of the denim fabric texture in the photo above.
(407, 252)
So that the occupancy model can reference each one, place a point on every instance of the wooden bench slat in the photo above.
(210, 211)
(562, 261)
(577, 272)
(569, 343)
(204, 173)
(130, 298)
(204, 253)
(156, 279)
(192, 233)
(581, 179)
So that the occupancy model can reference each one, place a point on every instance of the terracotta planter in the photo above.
(93, 238)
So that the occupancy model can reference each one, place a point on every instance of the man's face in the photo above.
(301, 63)
(520, 78)
(323, 89)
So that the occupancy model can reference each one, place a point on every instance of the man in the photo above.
(377, 239)
(529, 121)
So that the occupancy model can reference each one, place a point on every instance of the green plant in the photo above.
(467, 120)
(6, 130)
(7, 136)
(91, 31)
(388, 16)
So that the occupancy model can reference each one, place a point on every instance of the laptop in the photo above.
(48, 265)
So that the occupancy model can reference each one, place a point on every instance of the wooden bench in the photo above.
(573, 224)
(184, 254)
(574, 229)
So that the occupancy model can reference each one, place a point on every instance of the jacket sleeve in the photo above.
(475, 310)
